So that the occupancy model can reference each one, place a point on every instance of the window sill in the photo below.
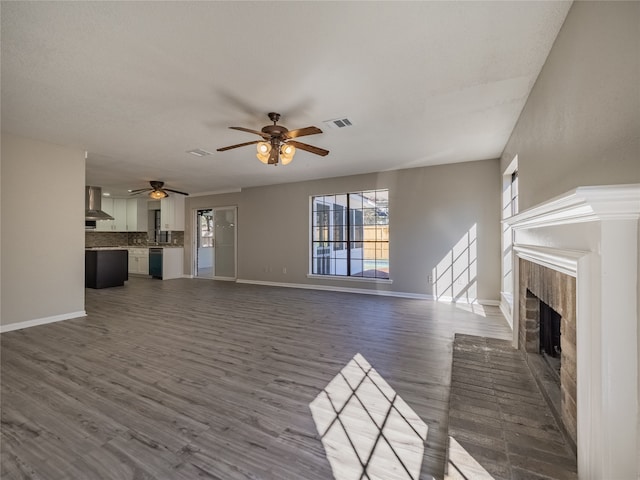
(387, 281)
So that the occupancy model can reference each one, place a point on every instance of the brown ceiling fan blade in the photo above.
(223, 149)
(175, 191)
(301, 132)
(242, 129)
(310, 148)
(140, 190)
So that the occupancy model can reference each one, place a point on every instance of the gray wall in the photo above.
(431, 209)
(581, 123)
(42, 230)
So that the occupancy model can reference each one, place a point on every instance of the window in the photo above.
(159, 235)
(350, 234)
(514, 192)
(509, 209)
(339, 225)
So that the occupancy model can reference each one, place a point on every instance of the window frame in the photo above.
(351, 236)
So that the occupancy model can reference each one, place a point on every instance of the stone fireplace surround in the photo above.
(591, 234)
(558, 290)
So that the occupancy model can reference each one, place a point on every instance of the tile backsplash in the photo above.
(105, 239)
(177, 237)
(110, 239)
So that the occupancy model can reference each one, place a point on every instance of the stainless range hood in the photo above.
(93, 205)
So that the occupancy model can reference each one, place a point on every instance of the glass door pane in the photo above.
(215, 255)
(204, 247)
(224, 220)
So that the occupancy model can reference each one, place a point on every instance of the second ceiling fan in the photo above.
(278, 144)
(157, 190)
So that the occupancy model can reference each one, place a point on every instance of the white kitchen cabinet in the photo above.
(172, 213)
(130, 215)
(106, 225)
(120, 214)
(139, 261)
(137, 215)
(143, 264)
(172, 262)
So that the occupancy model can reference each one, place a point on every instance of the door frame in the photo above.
(194, 243)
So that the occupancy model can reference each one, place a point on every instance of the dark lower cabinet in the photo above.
(105, 268)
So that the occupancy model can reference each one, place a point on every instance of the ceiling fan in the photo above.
(156, 191)
(277, 144)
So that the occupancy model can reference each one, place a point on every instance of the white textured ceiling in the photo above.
(137, 84)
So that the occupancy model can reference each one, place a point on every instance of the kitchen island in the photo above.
(105, 268)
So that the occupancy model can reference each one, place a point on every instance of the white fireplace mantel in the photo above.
(583, 204)
(591, 233)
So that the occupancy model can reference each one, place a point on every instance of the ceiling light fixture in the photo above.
(158, 194)
(278, 144)
(277, 153)
(264, 149)
(286, 153)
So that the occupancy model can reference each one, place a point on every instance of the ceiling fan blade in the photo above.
(140, 190)
(301, 132)
(223, 149)
(309, 148)
(175, 191)
(242, 129)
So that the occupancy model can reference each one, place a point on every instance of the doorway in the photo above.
(215, 243)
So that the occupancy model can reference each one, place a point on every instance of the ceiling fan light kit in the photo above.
(286, 153)
(277, 145)
(264, 149)
(157, 190)
(158, 194)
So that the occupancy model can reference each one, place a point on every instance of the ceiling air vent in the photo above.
(338, 123)
(198, 152)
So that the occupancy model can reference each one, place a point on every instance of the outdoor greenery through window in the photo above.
(350, 234)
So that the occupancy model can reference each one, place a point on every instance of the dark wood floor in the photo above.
(200, 379)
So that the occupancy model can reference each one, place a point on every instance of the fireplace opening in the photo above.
(542, 316)
(550, 335)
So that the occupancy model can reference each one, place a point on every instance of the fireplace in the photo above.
(578, 253)
(548, 330)
(550, 333)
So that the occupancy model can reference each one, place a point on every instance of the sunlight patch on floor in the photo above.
(462, 466)
(472, 308)
(367, 430)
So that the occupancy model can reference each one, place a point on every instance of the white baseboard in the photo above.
(332, 288)
(41, 321)
(464, 301)
(365, 291)
(489, 303)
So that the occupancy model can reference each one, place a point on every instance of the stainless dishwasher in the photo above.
(155, 262)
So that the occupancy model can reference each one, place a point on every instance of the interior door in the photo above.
(215, 255)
